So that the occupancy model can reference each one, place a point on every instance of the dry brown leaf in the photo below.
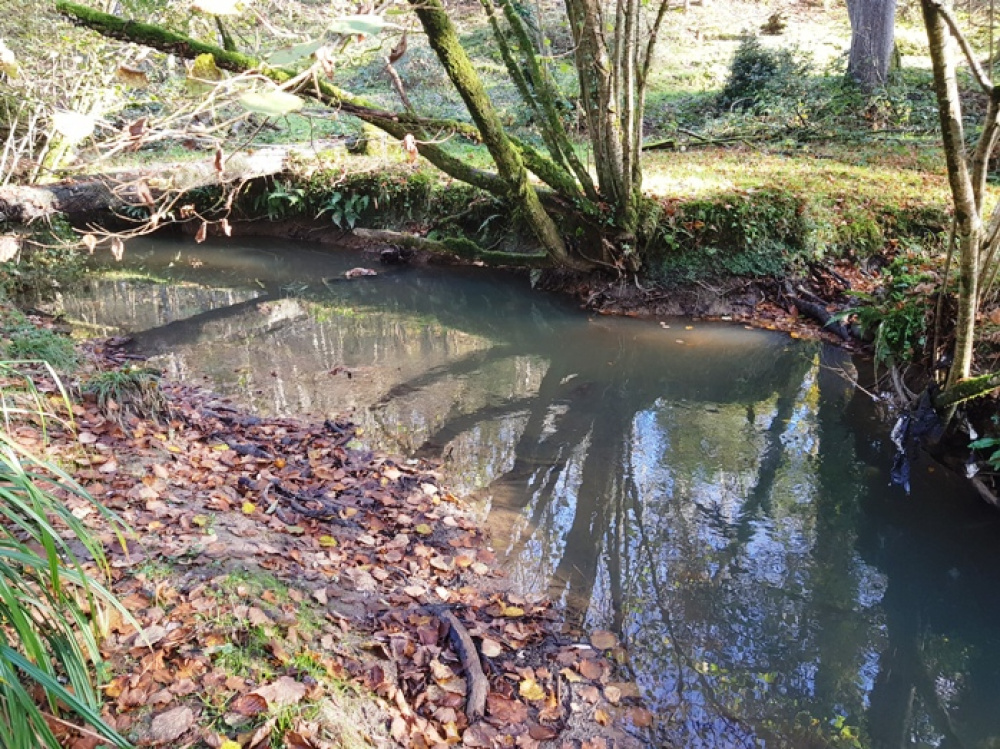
(505, 711)
(171, 725)
(542, 733)
(249, 705)
(591, 669)
(284, 691)
(603, 640)
(490, 648)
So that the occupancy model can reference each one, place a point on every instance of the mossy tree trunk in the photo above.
(966, 176)
(444, 41)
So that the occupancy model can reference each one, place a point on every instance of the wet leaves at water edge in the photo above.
(296, 591)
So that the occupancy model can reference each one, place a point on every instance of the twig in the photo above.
(465, 648)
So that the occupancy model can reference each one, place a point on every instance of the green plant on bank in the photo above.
(128, 392)
(344, 209)
(896, 316)
(989, 443)
(49, 649)
(283, 200)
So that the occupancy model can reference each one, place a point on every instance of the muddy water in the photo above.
(718, 496)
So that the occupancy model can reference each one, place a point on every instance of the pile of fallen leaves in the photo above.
(295, 588)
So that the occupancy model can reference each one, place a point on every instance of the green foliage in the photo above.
(47, 639)
(128, 392)
(761, 234)
(759, 73)
(283, 200)
(896, 316)
(344, 209)
(25, 341)
(988, 443)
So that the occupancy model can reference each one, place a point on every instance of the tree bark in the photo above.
(872, 27)
(968, 225)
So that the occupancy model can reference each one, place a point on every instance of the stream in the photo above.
(718, 496)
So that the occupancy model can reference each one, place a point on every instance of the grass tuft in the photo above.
(127, 393)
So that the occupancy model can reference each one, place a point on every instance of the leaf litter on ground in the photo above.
(294, 590)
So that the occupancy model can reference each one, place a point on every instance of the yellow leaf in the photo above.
(249, 508)
(531, 690)
(513, 611)
(327, 542)
(200, 520)
(423, 529)
(230, 744)
(221, 447)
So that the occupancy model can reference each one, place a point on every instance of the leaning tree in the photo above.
(549, 186)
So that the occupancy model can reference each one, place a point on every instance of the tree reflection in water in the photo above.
(718, 496)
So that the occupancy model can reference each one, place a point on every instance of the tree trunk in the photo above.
(872, 26)
(968, 225)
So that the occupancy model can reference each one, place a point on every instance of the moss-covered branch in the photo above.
(443, 39)
(974, 387)
(456, 246)
(395, 124)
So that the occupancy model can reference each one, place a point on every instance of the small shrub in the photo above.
(896, 316)
(128, 392)
(759, 73)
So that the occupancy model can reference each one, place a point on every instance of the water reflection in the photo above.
(719, 496)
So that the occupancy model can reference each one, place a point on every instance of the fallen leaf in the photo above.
(603, 640)
(591, 669)
(640, 716)
(171, 725)
(490, 648)
(250, 704)
(531, 690)
(284, 691)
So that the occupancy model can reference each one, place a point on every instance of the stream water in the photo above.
(719, 496)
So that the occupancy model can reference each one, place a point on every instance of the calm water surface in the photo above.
(717, 495)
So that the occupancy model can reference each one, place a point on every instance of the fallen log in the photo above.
(90, 198)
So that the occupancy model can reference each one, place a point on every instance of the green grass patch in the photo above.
(24, 341)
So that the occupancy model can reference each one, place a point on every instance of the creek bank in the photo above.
(294, 586)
